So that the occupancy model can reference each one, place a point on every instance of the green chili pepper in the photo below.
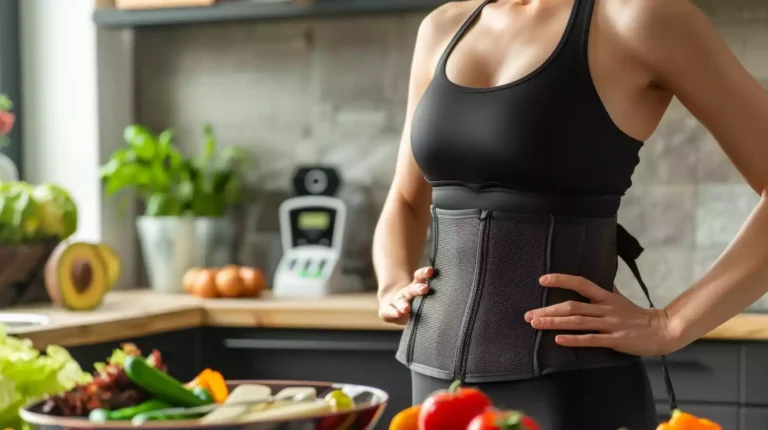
(101, 415)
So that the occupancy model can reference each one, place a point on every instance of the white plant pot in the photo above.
(173, 245)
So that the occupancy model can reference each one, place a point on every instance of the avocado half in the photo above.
(110, 261)
(75, 276)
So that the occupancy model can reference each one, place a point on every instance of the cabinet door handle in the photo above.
(312, 345)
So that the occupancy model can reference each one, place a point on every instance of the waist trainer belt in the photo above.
(487, 265)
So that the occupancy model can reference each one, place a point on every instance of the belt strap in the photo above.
(629, 249)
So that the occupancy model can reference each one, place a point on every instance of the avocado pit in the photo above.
(82, 275)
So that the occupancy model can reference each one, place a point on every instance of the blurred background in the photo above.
(296, 85)
(176, 129)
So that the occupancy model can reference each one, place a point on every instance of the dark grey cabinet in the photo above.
(701, 372)
(180, 351)
(753, 418)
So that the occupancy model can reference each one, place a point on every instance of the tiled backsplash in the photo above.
(334, 91)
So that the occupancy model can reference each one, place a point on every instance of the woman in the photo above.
(524, 122)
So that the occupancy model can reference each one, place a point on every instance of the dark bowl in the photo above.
(370, 403)
(21, 273)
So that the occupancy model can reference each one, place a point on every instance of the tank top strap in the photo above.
(459, 34)
(585, 22)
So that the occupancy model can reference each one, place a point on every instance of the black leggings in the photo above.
(607, 398)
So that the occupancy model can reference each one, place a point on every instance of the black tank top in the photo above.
(546, 132)
(527, 179)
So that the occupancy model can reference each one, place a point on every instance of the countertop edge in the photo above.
(131, 314)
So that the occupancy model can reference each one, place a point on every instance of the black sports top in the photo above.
(527, 180)
(546, 132)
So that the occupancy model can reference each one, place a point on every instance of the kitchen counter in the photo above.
(129, 314)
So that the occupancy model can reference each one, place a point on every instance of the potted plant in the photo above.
(188, 202)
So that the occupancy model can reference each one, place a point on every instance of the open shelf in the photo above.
(250, 10)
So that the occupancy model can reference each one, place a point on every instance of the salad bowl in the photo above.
(369, 405)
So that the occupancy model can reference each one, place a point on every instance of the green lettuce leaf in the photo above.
(26, 375)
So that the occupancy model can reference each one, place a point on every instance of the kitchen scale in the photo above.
(312, 232)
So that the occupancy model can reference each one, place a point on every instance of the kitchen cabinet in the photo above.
(701, 372)
(180, 351)
(753, 418)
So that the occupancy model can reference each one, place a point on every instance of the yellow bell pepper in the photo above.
(212, 381)
(684, 421)
(407, 419)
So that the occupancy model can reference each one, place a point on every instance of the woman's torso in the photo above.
(527, 175)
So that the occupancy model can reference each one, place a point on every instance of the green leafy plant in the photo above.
(170, 184)
(5, 103)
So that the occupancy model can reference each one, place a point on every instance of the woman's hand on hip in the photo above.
(612, 320)
(395, 307)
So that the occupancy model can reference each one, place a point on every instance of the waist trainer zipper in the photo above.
(416, 310)
(462, 350)
(629, 249)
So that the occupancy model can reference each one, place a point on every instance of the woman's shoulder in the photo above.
(440, 25)
(637, 22)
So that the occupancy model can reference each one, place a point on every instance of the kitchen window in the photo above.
(10, 73)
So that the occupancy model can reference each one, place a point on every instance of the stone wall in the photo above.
(334, 91)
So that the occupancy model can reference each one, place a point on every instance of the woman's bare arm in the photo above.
(401, 231)
(689, 58)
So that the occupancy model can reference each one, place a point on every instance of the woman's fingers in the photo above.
(402, 300)
(575, 323)
(587, 340)
(566, 309)
(420, 276)
(389, 313)
(581, 285)
(396, 307)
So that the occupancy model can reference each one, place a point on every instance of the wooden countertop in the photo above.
(127, 314)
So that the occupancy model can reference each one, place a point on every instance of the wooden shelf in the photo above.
(253, 10)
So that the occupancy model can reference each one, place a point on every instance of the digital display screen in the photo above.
(314, 220)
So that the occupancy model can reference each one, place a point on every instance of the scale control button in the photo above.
(292, 264)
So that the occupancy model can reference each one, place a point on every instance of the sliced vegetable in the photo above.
(288, 410)
(453, 409)
(290, 393)
(242, 394)
(204, 395)
(101, 415)
(339, 401)
(214, 382)
(493, 419)
(159, 383)
(407, 419)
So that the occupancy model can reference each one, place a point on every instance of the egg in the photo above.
(205, 284)
(228, 282)
(253, 281)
